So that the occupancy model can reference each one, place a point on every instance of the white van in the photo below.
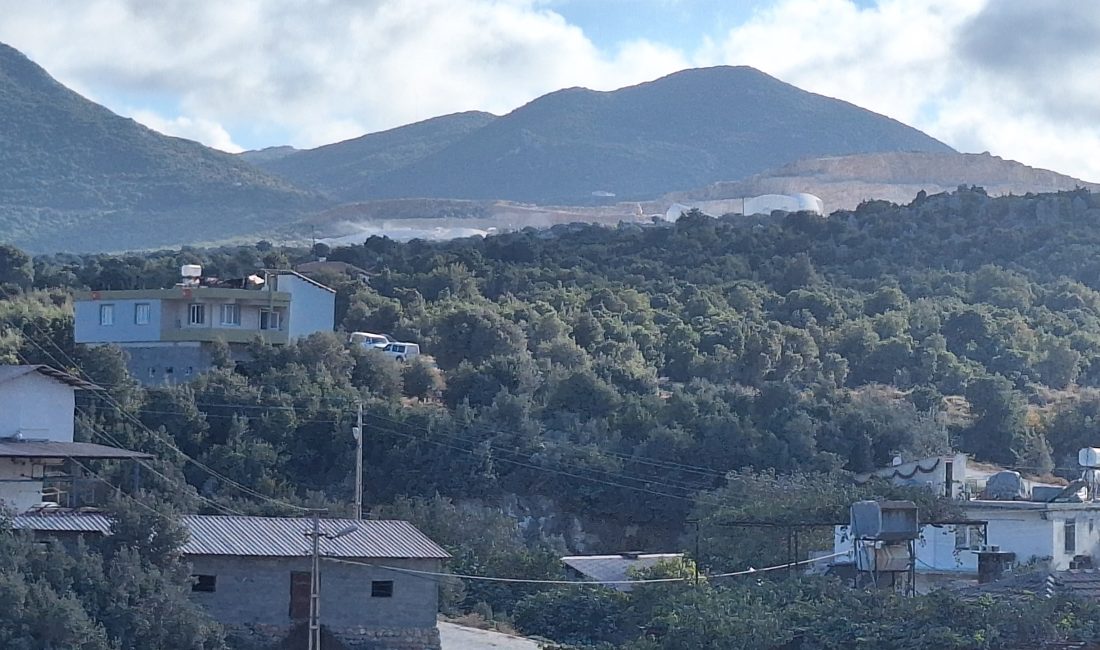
(401, 351)
(369, 340)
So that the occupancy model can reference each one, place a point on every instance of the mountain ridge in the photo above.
(71, 168)
(683, 130)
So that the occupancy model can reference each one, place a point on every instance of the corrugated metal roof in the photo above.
(616, 568)
(7, 373)
(285, 537)
(64, 522)
(267, 536)
(49, 449)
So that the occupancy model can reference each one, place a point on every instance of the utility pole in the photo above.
(358, 433)
(314, 585)
(315, 536)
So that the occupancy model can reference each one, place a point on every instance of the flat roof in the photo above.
(10, 448)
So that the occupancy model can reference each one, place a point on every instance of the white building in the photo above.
(39, 462)
(1056, 526)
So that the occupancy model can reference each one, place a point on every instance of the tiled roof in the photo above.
(268, 536)
(49, 449)
(7, 373)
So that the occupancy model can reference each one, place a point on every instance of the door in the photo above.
(299, 595)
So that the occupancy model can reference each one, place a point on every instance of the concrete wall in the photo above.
(256, 591)
(18, 490)
(312, 309)
(38, 407)
(157, 364)
(86, 327)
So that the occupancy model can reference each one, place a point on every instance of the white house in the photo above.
(39, 462)
(1056, 526)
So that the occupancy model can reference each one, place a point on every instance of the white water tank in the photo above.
(191, 271)
(1089, 457)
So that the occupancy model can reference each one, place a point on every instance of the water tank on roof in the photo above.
(1006, 486)
(1089, 457)
(191, 271)
(887, 521)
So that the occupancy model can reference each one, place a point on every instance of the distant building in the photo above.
(169, 333)
(1057, 526)
(252, 574)
(40, 465)
(615, 570)
(750, 205)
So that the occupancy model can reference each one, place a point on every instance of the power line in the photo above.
(537, 581)
(140, 424)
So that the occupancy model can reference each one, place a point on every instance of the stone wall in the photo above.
(273, 637)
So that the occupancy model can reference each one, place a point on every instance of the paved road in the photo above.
(457, 637)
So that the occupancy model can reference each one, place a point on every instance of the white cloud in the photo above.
(321, 69)
(210, 133)
(914, 60)
(977, 74)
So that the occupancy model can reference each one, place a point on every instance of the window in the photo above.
(204, 583)
(381, 589)
(1070, 528)
(106, 314)
(196, 314)
(969, 538)
(270, 320)
(231, 314)
(142, 312)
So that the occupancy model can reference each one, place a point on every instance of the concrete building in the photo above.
(169, 333)
(252, 574)
(40, 464)
(1054, 526)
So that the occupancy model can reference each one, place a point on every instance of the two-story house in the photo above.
(169, 333)
(39, 462)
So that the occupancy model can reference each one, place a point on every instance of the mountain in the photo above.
(267, 154)
(75, 176)
(843, 182)
(346, 170)
(580, 146)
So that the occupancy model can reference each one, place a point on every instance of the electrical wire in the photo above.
(125, 414)
(537, 581)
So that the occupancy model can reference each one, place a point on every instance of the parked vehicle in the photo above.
(401, 351)
(369, 339)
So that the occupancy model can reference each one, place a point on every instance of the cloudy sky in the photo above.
(1017, 78)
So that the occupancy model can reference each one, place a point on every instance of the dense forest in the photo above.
(599, 389)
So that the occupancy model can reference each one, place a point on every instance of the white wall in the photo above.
(18, 491)
(37, 407)
(86, 327)
(312, 309)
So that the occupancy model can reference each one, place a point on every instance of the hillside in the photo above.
(843, 182)
(685, 130)
(345, 170)
(75, 176)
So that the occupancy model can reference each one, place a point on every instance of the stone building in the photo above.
(252, 574)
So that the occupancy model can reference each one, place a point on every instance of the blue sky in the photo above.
(1014, 77)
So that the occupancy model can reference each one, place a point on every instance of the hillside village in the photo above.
(690, 359)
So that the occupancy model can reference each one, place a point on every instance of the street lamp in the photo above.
(315, 536)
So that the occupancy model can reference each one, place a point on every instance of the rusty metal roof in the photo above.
(266, 536)
(10, 448)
